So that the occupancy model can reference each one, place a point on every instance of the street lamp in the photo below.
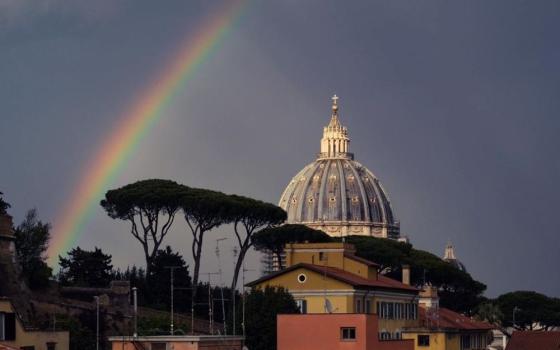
(135, 298)
(97, 325)
(515, 309)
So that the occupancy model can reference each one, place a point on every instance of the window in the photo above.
(7, 326)
(302, 305)
(348, 333)
(322, 256)
(423, 340)
(465, 342)
(27, 348)
(51, 346)
(391, 309)
(358, 306)
(385, 336)
(159, 346)
(302, 278)
(367, 307)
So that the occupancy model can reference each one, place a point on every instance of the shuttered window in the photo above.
(7, 326)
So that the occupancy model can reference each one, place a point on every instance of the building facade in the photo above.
(444, 329)
(14, 333)
(329, 278)
(336, 331)
(177, 342)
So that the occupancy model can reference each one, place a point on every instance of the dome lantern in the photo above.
(335, 141)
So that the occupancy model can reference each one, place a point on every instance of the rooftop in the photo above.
(531, 340)
(356, 281)
(445, 319)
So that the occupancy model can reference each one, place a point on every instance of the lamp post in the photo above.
(135, 297)
(97, 323)
(515, 309)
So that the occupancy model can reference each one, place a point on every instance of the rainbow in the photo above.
(137, 120)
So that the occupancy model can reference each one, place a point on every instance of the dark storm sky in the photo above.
(453, 105)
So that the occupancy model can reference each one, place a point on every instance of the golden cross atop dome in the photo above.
(335, 103)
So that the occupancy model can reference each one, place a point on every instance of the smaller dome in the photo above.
(450, 257)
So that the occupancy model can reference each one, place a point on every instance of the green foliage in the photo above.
(250, 215)
(160, 276)
(203, 210)
(457, 289)
(85, 268)
(261, 308)
(82, 330)
(534, 311)
(160, 325)
(274, 239)
(4, 206)
(32, 238)
(150, 206)
(489, 312)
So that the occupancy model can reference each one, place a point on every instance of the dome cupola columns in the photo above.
(335, 141)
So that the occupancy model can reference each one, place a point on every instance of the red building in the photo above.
(534, 340)
(333, 332)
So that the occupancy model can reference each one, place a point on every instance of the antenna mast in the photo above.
(222, 284)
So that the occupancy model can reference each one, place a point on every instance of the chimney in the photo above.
(6, 225)
(7, 246)
(406, 274)
(429, 297)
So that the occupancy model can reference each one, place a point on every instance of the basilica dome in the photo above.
(337, 194)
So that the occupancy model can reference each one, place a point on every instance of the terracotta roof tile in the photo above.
(532, 340)
(448, 319)
(362, 260)
(6, 347)
(344, 276)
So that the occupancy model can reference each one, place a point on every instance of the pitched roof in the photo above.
(344, 276)
(358, 259)
(6, 347)
(442, 318)
(531, 340)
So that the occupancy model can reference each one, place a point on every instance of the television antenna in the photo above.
(243, 302)
(328, 306)
(222, 284)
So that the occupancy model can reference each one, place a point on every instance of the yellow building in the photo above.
(329, 278)
(444, 329)
(13, 332)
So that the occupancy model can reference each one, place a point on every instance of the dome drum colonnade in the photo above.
(337, 194)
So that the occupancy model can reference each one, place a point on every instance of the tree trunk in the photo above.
(238, 266)
(196, 259)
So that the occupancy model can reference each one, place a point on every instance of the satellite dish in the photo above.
(328, 306)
